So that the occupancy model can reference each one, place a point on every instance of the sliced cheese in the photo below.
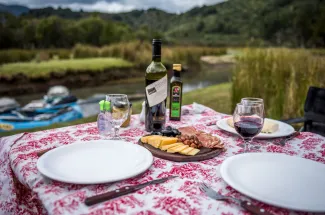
(186, 150)
(193, 152)
(151, 139)
(177, 148)
(145, 138)
(168, 141)
(164, 148)
(155, 141)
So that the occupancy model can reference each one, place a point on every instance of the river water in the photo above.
(193, 79)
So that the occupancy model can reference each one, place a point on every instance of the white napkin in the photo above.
(197, 109)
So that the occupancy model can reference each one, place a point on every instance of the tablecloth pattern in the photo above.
(25, 191)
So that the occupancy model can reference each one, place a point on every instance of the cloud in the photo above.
(101, 6)
(114, 6)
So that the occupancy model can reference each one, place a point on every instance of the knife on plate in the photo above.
(122, 191)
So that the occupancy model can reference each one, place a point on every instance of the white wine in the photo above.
(156, 91)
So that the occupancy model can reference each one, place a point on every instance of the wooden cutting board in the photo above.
(204, 154)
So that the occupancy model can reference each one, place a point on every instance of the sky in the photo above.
(115, 6)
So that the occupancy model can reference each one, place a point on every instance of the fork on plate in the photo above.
(244, 204)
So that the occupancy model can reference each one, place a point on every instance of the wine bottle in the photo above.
(176, 88)
(156, 91)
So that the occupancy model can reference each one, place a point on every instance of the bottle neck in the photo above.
(156, 59)
(156, 52)
(177, 74)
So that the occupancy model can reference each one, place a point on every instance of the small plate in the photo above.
(277, 179)
(95, 162)
(284, 129)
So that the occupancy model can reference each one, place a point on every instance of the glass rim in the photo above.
(252, 99)
(116, 94)
(248, 105)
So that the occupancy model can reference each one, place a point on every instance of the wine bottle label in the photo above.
(176, 101)
(157, 91)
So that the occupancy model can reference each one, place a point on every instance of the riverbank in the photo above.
(33, 77)
(217, 97)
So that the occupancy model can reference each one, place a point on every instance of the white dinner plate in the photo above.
(284, 129)
(277, 179)
(95, 162)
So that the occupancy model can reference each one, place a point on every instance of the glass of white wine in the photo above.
(119, 110)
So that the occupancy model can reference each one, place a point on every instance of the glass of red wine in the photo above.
(248, 121)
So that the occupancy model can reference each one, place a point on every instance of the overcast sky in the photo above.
(115, 5)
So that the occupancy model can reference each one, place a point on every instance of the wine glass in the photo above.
(248, 121)
(251, 100)
(119, 110)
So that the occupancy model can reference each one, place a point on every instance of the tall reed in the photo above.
(278, 75)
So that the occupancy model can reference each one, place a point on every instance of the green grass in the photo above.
(45, 68)
(280, 76)
(217, 97)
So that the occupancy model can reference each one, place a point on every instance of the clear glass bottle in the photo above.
(101, 119)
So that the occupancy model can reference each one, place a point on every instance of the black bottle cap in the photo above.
(156, 41)
(156, 48)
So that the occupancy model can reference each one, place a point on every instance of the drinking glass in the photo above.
(248, 122)
(251, 100)
(120, 110)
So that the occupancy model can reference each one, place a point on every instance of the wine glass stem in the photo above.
(116, 131)
(246, 144)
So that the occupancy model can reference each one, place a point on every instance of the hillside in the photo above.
(234, 22)
(295, 23)
(13, 9)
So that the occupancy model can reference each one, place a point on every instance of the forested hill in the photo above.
(293, 23)
(153, 18)
(13, 9)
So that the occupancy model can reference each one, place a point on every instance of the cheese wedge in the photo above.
(168, 141)
(145, 138)
(268, 127)
(193, 152)
(153, 138)
(177, 148)
(164, 148)
(186, 150)
(155, 141)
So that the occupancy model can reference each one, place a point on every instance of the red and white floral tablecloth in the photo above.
(23, 190)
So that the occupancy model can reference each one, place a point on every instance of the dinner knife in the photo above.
(122, 191)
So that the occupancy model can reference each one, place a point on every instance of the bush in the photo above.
(60, 53)
(138, 52)
(280, 76)
(85, 51)
(16, 55)
(21, 55)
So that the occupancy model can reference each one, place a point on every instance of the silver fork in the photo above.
(244, 204)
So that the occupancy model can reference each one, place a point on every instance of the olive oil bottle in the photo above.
(176, 89)
(156, 91)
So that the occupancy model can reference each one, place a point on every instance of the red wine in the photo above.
(248, 128)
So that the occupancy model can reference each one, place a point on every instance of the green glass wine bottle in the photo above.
(176, 95)
(156, 91)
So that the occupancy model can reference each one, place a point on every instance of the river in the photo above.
(193, 79)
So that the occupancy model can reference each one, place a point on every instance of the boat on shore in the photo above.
(58, 105)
